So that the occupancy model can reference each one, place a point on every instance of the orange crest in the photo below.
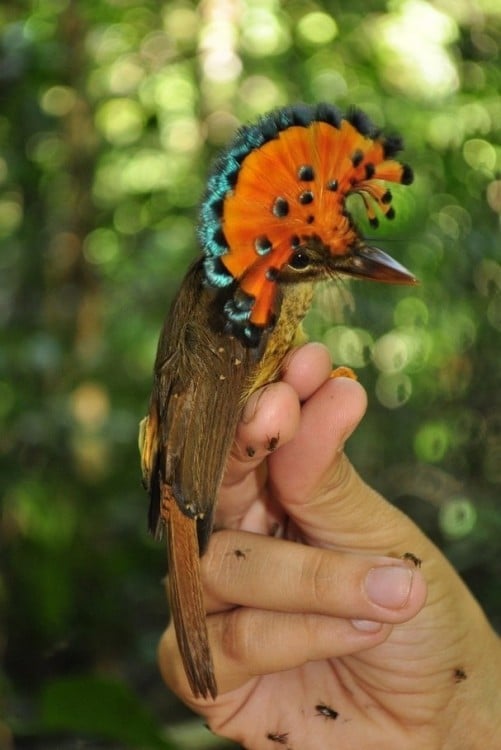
(281, 184)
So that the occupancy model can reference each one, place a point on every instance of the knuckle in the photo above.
(321, 579)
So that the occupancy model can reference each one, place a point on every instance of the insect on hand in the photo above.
(327, 711)
(273, 223)
(276, 737)
(416, 561)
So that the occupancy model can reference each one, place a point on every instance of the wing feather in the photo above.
(200, 374)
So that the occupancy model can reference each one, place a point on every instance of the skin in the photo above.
(310, 602)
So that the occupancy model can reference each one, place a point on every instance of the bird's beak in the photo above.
(374, 264)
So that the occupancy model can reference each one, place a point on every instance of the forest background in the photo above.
(110, 114)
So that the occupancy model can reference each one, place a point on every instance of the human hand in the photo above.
(322, 633)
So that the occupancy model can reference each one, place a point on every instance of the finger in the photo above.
(271, 415)
(327, 420)
(247, 643)
(270, 418)
(318, 487)
(253, 570)
(307, 368)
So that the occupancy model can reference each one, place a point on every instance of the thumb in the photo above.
(319, 489)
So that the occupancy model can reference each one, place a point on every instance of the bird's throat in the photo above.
(295, 302)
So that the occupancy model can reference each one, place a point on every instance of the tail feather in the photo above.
(186, 602)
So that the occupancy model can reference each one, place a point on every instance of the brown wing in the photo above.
(194, 407)
(184, 441)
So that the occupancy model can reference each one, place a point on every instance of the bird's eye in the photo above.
(299, 261)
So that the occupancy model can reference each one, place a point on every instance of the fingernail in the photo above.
(389, 586)
(367, 626)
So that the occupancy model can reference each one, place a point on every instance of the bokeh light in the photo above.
(120, 120)
(349, 346)
(457, 517)
(413, 45)
(317, 28)
(263, 31)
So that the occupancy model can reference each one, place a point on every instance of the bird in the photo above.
(273, 222)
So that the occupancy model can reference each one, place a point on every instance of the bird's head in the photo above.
(275, 209)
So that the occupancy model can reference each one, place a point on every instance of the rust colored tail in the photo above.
(186, 603)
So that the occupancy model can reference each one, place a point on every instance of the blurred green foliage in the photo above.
(110, 112)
